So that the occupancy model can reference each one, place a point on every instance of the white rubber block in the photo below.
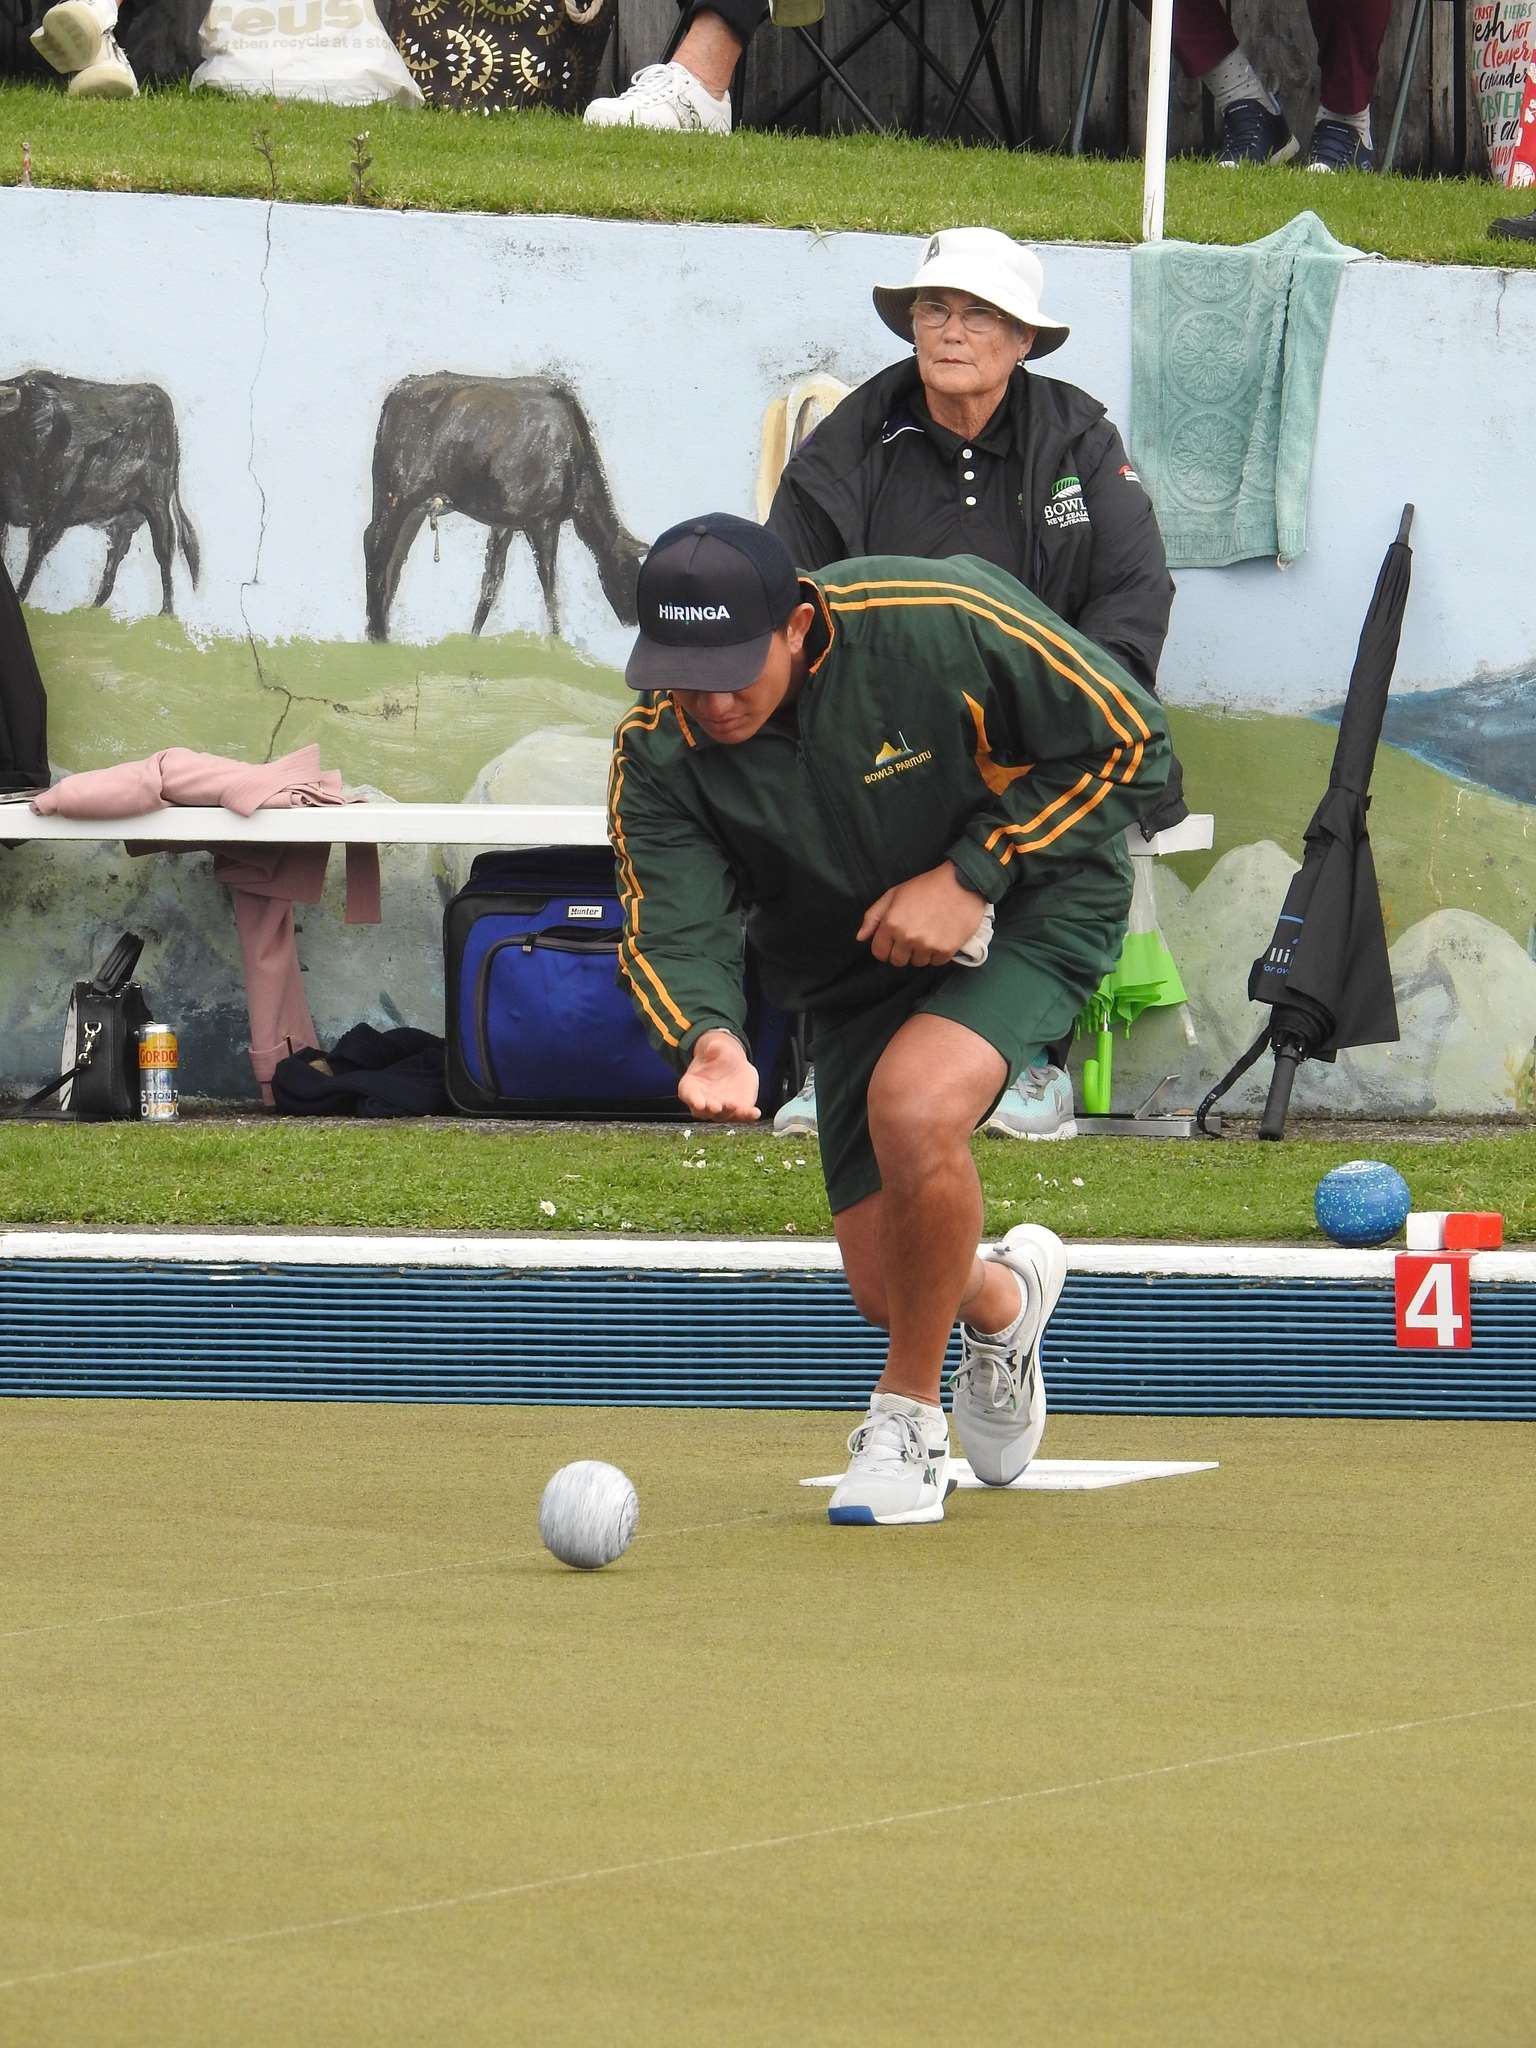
(1426, 1230)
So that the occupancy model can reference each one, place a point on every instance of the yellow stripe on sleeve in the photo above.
(1085, 683)
(631, 957)
(1037, 630)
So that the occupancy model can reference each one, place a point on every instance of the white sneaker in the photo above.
(999, 1392)
(69, 36)
(109, 78)
(899, 1466)
(663, 96)
(1038, 1105)
(797, 1117)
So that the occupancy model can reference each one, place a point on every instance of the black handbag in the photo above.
(106, 1018)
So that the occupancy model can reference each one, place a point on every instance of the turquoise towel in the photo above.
(1227, 350)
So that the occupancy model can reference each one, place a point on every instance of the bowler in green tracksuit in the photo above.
(850, 769)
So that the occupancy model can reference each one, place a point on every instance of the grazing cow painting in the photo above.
(515, 453)
(75, 453)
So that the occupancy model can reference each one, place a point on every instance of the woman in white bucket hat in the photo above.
(985, 265)
(959, 450)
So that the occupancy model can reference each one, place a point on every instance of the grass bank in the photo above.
(717, 1182)
(173, 140)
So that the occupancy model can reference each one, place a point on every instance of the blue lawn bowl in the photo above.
(1361, 1203)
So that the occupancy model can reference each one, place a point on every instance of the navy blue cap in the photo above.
(712, 593)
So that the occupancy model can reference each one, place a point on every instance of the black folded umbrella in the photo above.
(1325, 971)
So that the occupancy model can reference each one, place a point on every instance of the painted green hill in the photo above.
(421, 723)
(1438, 842)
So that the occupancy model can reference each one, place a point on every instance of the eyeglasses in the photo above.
(932, 314)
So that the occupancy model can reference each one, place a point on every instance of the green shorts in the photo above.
(1024, 997)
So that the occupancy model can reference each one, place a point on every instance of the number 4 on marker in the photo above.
(1434, 1301)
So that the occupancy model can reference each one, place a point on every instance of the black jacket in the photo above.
(1105, 574)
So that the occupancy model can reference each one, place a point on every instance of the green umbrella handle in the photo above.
(1097, 1075)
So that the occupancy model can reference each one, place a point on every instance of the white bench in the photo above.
(384, 824)
(380, 824)
(483, 825)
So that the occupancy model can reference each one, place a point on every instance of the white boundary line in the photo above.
(566, 1879)
(686, 1254)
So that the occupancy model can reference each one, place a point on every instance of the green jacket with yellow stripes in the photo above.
(947, 714)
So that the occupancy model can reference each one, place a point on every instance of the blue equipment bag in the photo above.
(537, 1021)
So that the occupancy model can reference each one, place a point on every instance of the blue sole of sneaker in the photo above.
(864, 1518)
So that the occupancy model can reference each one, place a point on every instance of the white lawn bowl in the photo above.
(588, 1515)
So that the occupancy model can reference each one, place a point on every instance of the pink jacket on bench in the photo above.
(264, 881)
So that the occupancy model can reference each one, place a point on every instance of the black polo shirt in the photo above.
(943, 495)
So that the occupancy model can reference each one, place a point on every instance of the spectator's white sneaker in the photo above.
(999, 1393)
(109, 78)
(1038, 1105)
(663, 96)
(797, 1117)
(898, 1468)
(70, 36)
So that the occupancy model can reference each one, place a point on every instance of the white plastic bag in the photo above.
(332, 50)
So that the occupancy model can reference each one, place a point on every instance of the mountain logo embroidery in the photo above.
(896, 759)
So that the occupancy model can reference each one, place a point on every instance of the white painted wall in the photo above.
(278, 331)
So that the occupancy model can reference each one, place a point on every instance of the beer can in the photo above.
(157, 1073)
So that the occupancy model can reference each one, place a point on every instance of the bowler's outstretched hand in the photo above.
(720, 1082)
(924, 922)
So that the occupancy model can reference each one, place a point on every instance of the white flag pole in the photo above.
(1155, 175)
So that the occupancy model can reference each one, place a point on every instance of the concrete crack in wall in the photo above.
(263, 680)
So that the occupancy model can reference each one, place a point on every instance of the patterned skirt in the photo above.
(494, 56)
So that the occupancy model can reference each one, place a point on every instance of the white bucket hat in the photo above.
(980, 260)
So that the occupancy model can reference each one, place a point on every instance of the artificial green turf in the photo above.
(1241, 1756)
(705, 1180)
(173, 140)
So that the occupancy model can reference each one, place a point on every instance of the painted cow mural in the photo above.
(515, 453)
(76, 453)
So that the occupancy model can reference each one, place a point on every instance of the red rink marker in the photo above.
(1434, 1300)
(1474, 1230)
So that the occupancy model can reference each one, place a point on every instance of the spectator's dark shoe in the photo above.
(1522, 228)
(1338, 147)
(1251, 134)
